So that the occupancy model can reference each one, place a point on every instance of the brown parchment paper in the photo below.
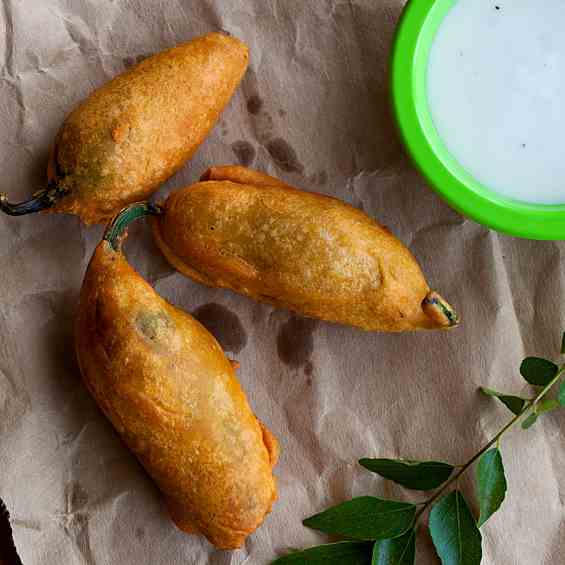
(313, 110)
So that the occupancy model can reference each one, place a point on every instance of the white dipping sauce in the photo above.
(496, 90)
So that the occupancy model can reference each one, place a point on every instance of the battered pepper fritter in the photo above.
(133, 133)
(172, 395)
(313, 254)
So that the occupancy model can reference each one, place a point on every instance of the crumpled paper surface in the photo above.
(314, 110)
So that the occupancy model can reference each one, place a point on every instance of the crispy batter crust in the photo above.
(168, 389)
(246, 231)
(133, 133)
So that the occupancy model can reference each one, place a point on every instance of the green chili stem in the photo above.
(115, 230)
(528, 407)
(435, 300)
(42, 200)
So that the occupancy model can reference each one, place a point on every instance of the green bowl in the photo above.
(417, 28)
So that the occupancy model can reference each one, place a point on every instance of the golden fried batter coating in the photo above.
(133, 133)
(172, 395)
(246, 231)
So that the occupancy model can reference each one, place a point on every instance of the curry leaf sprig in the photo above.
(379, 531)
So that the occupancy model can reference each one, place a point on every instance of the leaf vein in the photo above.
(460, 540)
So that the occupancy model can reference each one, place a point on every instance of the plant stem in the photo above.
(530, 405)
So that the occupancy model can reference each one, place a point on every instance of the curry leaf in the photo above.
(455, 534)
(529, 421)
(548, 405)
(398, 551)
(491, 484)
(514, 403)
(416, 475)
(365, 518)
(341, 553)
(538, 371)
(562, 393)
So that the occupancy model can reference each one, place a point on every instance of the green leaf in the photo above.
(514, 403)
(537, 371)
(547, 405)
(341, 553)
(365, 518)
(398, 551)
(491, 484)
(416, 475)
(563, 344)
(455, 534)
(561, 394)
(529, 421)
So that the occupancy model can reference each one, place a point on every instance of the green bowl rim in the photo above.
(416, 30)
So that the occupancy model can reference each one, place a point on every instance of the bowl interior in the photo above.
(415, 35)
